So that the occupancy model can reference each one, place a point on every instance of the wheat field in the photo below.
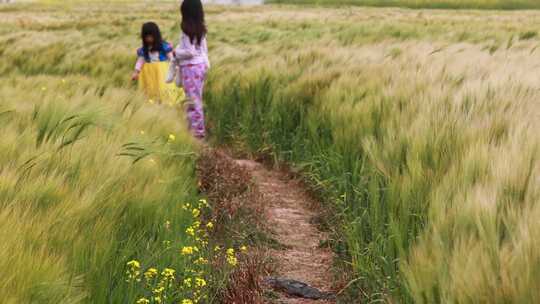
(92, 175)
(431, 4)
(418, 128)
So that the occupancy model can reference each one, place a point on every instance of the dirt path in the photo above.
(289, 215)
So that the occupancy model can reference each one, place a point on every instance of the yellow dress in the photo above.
(152, 82)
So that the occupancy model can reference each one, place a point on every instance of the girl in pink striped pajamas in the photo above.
(191, 63)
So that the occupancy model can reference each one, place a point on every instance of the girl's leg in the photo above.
(193, 80)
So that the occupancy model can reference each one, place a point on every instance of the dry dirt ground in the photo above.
(275, 202)
(289, 214)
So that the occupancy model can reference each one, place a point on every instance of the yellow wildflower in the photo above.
(187, 301)
(230, 251)
(190, 231)
(143, 301)
(217, 248)
(243, 249)
(210, 225)
(133, 274)
(196, 212)
(200, 282)
(158, 290)
(172, 137)
(142, 132)
(157, 299)
(187, 282)
(43, 88)
(168, 273)
(134, 264)
(232, 260)
(150, 273)
(187, 250)
(151, 101)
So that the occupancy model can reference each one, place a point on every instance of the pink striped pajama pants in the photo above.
(193, 76)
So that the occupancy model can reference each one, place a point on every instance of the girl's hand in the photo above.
(135, 76)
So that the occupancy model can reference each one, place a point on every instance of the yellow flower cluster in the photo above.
(159, 287)
(196, 282)
(187, 286)
(194, 231)
(201, 261)
(143, 301)
(190, 231)
(134, 264)
(204, 203)
(158, 291)
(133, 270)
(189, 250)
(150, 273)
(231, 257)
(168, 273)
(200, 282)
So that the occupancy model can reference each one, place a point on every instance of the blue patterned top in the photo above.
(154, 56)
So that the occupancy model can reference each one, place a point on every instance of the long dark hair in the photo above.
(151, 29)
(193, 20)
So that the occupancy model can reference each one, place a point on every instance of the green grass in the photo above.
(82, 191)
(431, 4)
(89, 177)
(418, 129)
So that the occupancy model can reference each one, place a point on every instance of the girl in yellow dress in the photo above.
(152, 66)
